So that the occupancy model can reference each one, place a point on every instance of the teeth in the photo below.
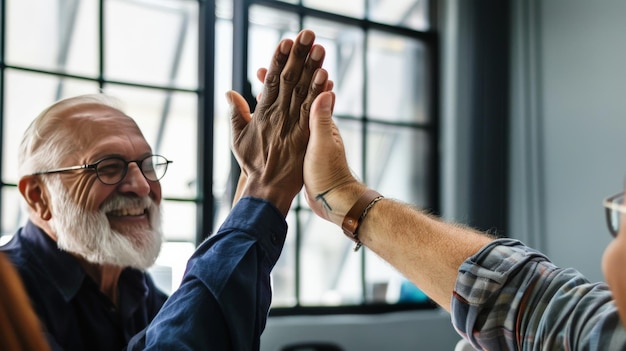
(128, 212)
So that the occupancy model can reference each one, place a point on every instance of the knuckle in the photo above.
(306, 107)
(300, 91)
(271, 79)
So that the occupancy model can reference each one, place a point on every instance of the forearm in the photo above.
(425, 249)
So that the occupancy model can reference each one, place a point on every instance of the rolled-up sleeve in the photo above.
(511, 297)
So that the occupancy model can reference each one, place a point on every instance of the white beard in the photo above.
(89, 234)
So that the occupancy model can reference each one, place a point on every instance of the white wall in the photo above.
(569, 127)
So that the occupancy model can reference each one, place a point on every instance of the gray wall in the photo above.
(569, 126)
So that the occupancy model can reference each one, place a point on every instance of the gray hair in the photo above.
(46, 142)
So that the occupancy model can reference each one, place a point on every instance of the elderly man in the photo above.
(91, 182)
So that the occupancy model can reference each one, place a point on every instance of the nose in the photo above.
(134, 182)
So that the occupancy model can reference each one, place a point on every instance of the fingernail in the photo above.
(317, 53)
(306, 38)
(325, 102)
(285, 46)
(319, 78)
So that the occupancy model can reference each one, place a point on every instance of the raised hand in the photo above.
(330, 187)
(270, 146)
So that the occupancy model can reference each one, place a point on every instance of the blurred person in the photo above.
(502, 295)
(91, 183)
(19, 326)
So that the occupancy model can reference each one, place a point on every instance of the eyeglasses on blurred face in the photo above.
(112, 170)
(614, 207)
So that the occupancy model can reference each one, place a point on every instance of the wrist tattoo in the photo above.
(320, 197)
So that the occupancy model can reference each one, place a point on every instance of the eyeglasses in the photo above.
(111, 170)
(615, 208)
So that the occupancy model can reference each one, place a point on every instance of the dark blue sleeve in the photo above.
(224, 298)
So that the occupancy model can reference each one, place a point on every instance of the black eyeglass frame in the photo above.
(94, 166)
(610, 206)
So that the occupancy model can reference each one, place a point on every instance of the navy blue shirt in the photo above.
(222, 303)
(74, 313)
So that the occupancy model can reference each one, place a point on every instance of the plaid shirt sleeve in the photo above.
(511, 297)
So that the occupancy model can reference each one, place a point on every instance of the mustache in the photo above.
(118, 202)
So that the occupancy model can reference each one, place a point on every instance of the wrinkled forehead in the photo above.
(88, 124)
(89, 113)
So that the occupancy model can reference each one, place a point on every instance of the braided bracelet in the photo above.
(357, 213)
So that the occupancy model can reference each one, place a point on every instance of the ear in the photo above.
(36, 195)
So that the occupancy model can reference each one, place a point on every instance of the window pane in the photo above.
(284, 272)
(343, 61)
(14, 213)
(159, 43)
(221, 122)
(397, 80)
(406, 13)
(169, 268)
(267, 28)
(330, 272)
(179, 221)
(352, 8)
(53, 35)
(224, 10)
(20, 108)
(398, 162)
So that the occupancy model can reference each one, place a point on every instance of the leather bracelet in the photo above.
(357, 213)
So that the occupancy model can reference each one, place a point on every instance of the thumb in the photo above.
(239, 111)
(320, 120)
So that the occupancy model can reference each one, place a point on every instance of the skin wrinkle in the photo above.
(82, 186)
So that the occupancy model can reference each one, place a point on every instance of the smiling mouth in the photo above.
(128, 212)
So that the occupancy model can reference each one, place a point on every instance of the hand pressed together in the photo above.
(270, 146)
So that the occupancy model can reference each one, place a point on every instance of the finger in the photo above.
(239, 113)
(301, 91)
(321, 120)
(292, 72)
(318, 86)
(272, 78)
(319, 149)
(329, 85)
(261, 73)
